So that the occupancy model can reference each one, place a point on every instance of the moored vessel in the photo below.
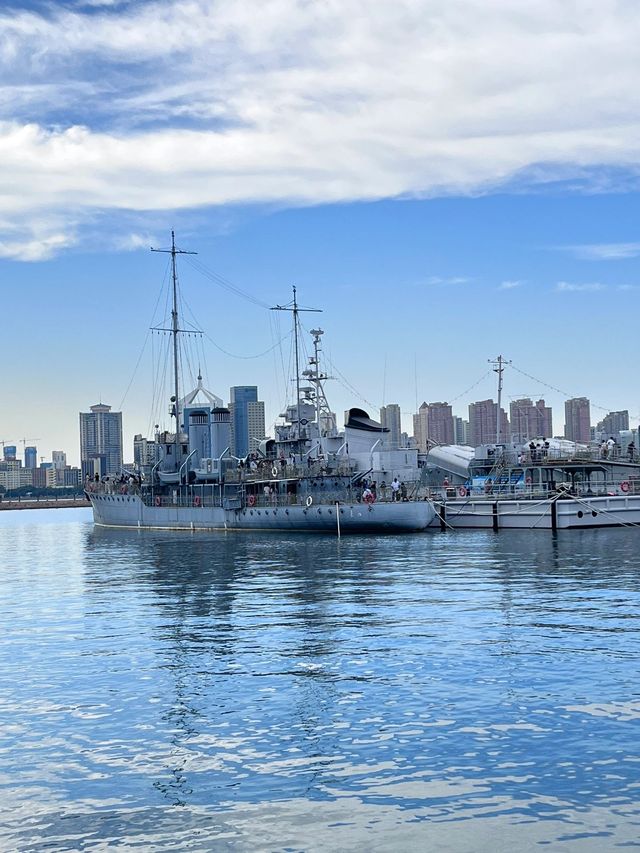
(310, 477)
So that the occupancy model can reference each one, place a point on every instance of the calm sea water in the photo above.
(464, 691)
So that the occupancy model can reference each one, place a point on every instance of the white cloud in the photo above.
(567, 287)
(451, 280)
(510, 285)
(165, 105)
(605, 251)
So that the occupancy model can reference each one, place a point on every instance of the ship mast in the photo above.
(295, 310)
(175, 331)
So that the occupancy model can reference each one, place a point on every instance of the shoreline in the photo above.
(55, 503)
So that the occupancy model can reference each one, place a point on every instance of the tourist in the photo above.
(395, 489)
(631, 449)
(403, 492)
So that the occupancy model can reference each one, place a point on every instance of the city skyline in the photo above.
(433, 423)
(436, 223)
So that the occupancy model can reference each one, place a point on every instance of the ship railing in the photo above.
(513, 491)
(112, 487)
(183, 499)
(272, 469)
(542, 456)
(328, 498)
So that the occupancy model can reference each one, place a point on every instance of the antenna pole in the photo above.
(295, 309)
(295, 338)
(498, 367)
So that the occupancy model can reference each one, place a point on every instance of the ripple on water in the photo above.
(225, 692)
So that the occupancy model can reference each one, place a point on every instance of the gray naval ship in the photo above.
(310, 478)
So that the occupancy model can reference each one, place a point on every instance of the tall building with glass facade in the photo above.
(31, 457)
(100, 441)
(247, 419)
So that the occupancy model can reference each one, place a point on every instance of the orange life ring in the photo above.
(158, 500)
(197, 500)
(624, 486)
(529, 481)
(251, 500)
(123, 490)
(370, 498)
(462, 492)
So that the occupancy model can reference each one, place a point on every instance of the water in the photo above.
(446, 692)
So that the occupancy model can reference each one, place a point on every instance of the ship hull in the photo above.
(131, 511)
(558, 514)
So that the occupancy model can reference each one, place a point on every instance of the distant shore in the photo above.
(44, 503)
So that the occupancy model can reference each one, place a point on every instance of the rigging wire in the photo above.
(144, 343)
(223, 282)
(470, 388)
(558, 390)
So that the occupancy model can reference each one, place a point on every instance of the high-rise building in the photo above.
(247, 419)
(59, 460)
(421, 428)
(391, 420)
(613, 423)
(440, 423)
(483, 423)
(100, 441)
(577, 417)
(146, 453)
(31, 457)
(9, 452)
(460, 431)
(530, 420)
(433, 424)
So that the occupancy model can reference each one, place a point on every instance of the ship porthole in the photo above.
(593, 513)
(580, 513)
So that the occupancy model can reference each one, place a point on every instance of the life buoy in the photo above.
(370, 498)
(462, 492)
(123, 490)
(274, 471)
(197, 500)
(624, 486)
(251, 500)
(158, 500)
(529, 481)
(309, 501)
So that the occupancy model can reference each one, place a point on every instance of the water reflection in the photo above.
(306, 692)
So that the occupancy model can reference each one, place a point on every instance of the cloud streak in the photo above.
(605, 251)
(569, 287)
(184, 105)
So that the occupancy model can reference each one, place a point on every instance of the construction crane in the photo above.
(25, 440)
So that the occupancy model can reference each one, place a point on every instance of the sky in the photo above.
(446, 181)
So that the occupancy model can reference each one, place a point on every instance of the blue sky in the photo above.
(446, 181)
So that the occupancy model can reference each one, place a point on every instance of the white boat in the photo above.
(559, 486)
(309, 478)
